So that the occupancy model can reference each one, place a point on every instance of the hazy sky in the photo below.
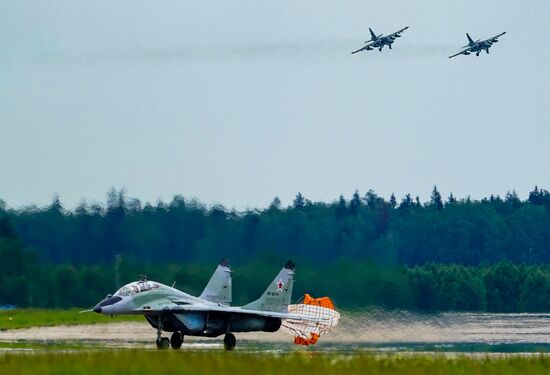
(239, 101)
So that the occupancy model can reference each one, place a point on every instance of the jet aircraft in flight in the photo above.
(210, 315)
(477, 46)
(380, 41)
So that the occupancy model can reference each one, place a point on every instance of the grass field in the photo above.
(216, 362)
(26, 318)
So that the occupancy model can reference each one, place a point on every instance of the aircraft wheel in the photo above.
(229, 341)
(163, 343)
(176, 340)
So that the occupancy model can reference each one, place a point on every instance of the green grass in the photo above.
(215, 362)
(20, 346)
(26, 318)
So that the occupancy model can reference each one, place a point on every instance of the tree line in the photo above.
(453, 254)
(365, 227)
(502, 287)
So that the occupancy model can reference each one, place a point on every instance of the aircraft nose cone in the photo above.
(97, 309)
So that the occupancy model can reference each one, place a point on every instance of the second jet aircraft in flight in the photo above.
(477, 46)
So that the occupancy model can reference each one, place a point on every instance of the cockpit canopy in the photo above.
(136, 287)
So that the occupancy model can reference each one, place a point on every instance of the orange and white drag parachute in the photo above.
(307, 332)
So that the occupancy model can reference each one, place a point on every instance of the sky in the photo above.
(236, 102)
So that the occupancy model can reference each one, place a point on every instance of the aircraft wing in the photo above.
(398, 33)
(494, 39)
(367, 47)
(463, 52)
(172, 307)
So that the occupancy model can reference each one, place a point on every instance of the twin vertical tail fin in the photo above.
(470, 40)
(278, 294)
(218, 289)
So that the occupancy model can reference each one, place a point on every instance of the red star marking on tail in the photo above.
(280, 285)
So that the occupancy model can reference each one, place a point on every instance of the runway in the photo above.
(376, 331)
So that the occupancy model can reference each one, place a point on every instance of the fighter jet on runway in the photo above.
(209, 315)
(380, 41)
(478, 46)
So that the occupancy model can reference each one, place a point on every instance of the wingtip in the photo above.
(290, 265)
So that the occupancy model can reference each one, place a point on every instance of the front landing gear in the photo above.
(162, 342)
(229, 341)
(176, 340)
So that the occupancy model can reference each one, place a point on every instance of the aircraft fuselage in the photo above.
(383, 41)
(213, 324)
(137, 298)
(480, 46)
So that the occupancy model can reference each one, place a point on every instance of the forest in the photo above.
(446, 254)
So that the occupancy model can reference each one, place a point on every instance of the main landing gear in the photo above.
(229, 341)
(176, 340)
